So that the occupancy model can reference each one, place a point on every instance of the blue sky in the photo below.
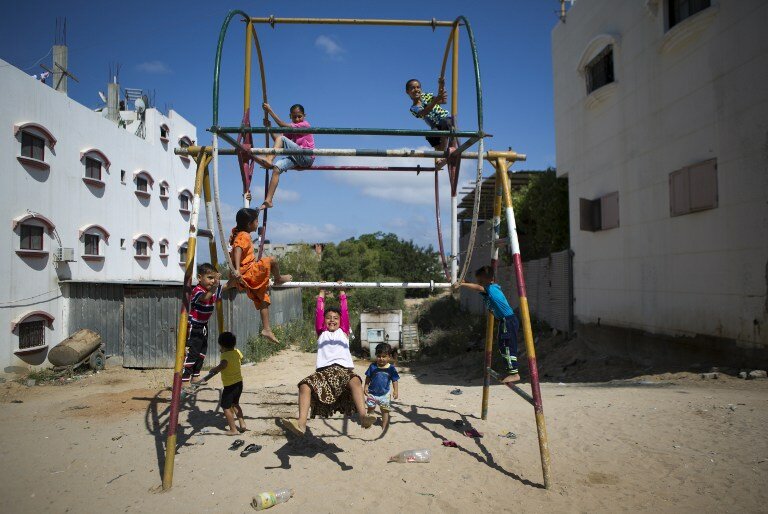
(345, 76)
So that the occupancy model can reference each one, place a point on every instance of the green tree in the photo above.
(303, 264)
(541, 215)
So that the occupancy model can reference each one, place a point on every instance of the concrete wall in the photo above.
(59, 193)
(681, 96)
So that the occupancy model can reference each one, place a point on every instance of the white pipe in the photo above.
(367, 285)
(475, 214)
(454, 238)
(353, 152)
(217, 202)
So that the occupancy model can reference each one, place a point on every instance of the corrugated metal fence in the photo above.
(139, 323)
(548, 283)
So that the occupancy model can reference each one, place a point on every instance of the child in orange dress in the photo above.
(250, 274)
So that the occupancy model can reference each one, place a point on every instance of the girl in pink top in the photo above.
(283, 163)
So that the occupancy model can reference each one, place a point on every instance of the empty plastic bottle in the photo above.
(421, 455)
(270, 499)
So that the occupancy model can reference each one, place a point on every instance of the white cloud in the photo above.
(402, 187)
(329, 46)
(285, 232)
(286, 195)
(155, 67)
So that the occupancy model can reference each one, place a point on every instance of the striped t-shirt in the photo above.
(201, 310)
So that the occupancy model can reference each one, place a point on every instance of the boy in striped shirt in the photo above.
(202, 303)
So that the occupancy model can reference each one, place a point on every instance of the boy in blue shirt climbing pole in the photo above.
(496, 302)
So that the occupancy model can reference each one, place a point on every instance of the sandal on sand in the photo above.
(236, 444)
(451, 444)
(367, 421)
(292, 426)
(472, 433)
(251, 448)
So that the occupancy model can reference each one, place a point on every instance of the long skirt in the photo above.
(330, 391)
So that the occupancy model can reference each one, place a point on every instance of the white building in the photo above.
(661, 116)
(83, 200)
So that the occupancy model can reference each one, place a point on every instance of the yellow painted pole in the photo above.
(455, 75)
(500, 175)
(247, 81)
(212, 241)
(528, 333)
(181, 333)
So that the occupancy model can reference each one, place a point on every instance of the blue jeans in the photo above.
(507, 341)
(289, 162)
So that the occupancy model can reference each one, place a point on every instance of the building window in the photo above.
(163, 132)
(92, 168)
(679, 10)
(164, 190)
(141, 184)
(183, 255)
(32, 334)
(163, 248)
(599, 70)
(31, 237)
(599, 214)
(32, 146)
(185, 142)
(184, 201)
(122, 176)
(141, 248)
(91, 244)
(693, 188)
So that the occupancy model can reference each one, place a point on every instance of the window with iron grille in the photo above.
(31, 237)
(141, 184)
(92, 168)
(31, 334)
(141, 248)
(32, 146)
(91, 244)
(184, 199)
(679, 10)
(599, 71)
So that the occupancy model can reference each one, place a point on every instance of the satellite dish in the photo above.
(140, 105)
(103, 97)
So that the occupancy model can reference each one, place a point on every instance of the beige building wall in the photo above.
(684, 95)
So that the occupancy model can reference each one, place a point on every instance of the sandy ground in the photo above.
(662, 443)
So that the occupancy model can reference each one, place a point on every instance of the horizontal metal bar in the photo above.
(352, 21)
(525, 396)
(368, 285)
(344, 152)
(417, 169)
(348, 131)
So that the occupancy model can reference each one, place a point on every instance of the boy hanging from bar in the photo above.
(496, 302)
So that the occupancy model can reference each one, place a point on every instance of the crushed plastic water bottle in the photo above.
(422, 455)
(270, 499)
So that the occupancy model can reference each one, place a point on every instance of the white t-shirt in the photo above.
(333, 348)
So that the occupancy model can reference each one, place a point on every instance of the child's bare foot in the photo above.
(265, 205)
(283, 279)
(243, 429)
(440, 163)
(269, 335)
(229, 432)
(511, 379)
(293, 427)
(366, 421)
(264, 163)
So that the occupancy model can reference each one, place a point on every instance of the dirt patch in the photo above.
(107, 405)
